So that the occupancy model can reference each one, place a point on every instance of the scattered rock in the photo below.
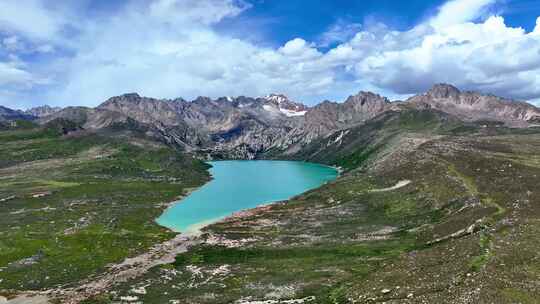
(41, 194)
(129, 298)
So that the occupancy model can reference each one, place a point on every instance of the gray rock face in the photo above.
(473, 106)
(42, 111)
(330, 116)
(244, 127)
(240, 126)
(442, 90)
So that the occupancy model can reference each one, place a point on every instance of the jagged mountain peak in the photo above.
(281, 103)
(278, 98)
(42, 111)
(281, 99)
(124, 98)
(475, 106)
(130, 95)
(127, 97)
(443, 90)
(202, 99)
(364, 97)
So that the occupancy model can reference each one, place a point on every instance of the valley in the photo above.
(437, 201)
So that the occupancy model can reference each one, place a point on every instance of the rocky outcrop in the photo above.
(328, 117)
(473, 106)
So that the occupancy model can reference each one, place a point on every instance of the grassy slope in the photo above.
(461, 232)
(102, 194)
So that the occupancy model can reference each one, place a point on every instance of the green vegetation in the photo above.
(356, 159)
(212, 255)
(74, 204)
(485, 246)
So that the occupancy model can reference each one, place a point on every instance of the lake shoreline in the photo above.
(236, 186)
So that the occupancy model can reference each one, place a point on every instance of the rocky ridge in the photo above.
(42, 111)
(245, 127)
(472, 106)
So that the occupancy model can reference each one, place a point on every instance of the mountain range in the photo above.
(247, 128)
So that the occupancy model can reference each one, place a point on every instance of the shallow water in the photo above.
(239, 185)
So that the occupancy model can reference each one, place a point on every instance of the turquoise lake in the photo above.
(239, 185)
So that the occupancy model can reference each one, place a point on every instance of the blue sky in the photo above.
(82, 52)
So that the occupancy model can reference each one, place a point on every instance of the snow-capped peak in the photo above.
(277, 98)
(284, 105)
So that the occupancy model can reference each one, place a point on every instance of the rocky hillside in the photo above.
(89, 118)
(331, 116)
(240, 127)
(472, 106)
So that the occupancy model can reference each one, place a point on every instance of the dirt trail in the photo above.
(130, 268)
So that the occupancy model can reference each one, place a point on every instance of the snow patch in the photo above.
(286, 112)
(291, 113)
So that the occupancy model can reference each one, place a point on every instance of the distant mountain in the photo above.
(245, 127)
(330, 116)
(282, 103)
(7, 114)
(42, 111)
(88, 118)
(473, 106)
(240, 126)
